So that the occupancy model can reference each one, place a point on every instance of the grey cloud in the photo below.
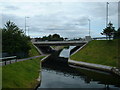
(18, 20)
(113, 8)
(54, 29)
(82, 21)
(36, 29)
(70, 20)
(41, 30)
(99, 9)
(11, 7)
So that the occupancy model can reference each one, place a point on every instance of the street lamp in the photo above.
(25, 23)
(89, 26)
(107, 14)
(28, 30)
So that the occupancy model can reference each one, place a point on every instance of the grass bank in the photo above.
(33, 51)
(103, 52)
(0, 77)
(21, 74)
(57, 47)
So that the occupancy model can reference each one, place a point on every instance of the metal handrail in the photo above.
(12, 57)
(5, 59)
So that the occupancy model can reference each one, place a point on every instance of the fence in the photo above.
(5, 59)
(102, 38)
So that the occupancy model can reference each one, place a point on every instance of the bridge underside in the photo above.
(59, 43)
(45, 49)
(45, 46)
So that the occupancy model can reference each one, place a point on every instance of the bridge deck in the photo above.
(59, 43)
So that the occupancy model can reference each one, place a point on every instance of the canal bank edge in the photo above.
(43, 60)
(19, 72)
(78, 49)
(40, 52)
(109, 69)
(40, 76)
(105, 68)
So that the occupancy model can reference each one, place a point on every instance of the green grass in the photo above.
(0, 77)
(33, 51)
(21, 74)
(103, 52)
(58, 47)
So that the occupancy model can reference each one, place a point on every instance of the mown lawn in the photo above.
(0, 77)
(33, 51)
(105, 52)
(58, 47)
(21, 74)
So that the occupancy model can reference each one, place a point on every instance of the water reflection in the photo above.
(66, 52)
(59, 75)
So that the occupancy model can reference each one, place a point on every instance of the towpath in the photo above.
(18, 60)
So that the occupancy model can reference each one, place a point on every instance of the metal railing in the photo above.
(5, 59)
(102, 38)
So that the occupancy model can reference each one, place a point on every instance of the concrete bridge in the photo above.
(60, 43)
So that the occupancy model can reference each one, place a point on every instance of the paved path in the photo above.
(18, 60)
(90, 65)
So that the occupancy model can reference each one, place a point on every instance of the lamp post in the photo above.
(28, 30)
(25, 23)
(107, 14)
(89, 26)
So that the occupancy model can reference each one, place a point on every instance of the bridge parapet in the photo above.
(60, 43)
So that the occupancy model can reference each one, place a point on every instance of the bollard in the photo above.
(5, 62)
(15, 60)
(10, 61)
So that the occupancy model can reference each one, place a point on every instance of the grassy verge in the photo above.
(33, 51)
(118, 45)
(59, 47)
(21, 74)
(103, 52)
(0, 77)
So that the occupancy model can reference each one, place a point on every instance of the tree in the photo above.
(65, 38)
(117, 34)
(15, 42)
(109, 30)
(49, 37)
(56, 36)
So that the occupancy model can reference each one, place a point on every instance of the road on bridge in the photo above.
(60, 43)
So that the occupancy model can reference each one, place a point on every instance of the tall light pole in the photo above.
(107, 14)
(89, 26)
(25, 23)
(28, 30)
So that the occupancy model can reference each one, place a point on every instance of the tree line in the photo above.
(14, 41)
(54, 37)
(110, 31)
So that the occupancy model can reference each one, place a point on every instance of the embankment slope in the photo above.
(105, 52)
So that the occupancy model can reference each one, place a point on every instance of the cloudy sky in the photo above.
(69, 19)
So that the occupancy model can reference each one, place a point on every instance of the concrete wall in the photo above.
(88, 38)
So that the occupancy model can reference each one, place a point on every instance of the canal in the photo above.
(61, 75)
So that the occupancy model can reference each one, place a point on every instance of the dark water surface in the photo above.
(58, 75)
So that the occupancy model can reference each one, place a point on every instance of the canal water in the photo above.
(58, 75)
